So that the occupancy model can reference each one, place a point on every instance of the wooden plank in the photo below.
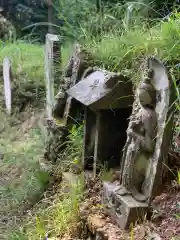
(96, 144)
(84, 138)
(89, 138)
(7, 83)
(51, 56)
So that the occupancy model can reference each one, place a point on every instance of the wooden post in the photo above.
(51, 50)
(96, 145)
(7, 83)
(89, 135)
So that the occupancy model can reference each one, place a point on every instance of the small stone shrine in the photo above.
(149, 136)
(107, 99)
(132, 136)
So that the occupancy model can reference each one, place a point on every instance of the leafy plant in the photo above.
(75, 145)
(55, 220)
(178, 177)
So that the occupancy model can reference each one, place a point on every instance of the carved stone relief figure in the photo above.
(165, 109)
(140, 145)
(142, 152)
(149, 136)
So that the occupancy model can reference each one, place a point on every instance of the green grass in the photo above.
(20, 176)
(27, 82)
(20, 169)
(28, 70)
(27, 59)
(58, 214)
(66, 53)
(21, 179)
(123, 50)
(58, 218)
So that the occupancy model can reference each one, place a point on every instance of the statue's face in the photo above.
(144, 97)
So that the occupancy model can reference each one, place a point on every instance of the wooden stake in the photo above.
(7, 83)
(96, 144)
(51, 40)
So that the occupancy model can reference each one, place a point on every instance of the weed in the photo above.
(178, 177)
(106, 175)
(57, 219)
(27, 59)
(132, 232)
(21, 180)
(118, 45)
(122, 50)
(27, 80)
(73, 151)
(62, 215)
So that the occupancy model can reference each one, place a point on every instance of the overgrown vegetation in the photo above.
(70, 16)
(27, 81)
(22, 182)
(57, 214)
(118, 41)
(73, 152)
(123, 49)
(27, 59)
(59, 217)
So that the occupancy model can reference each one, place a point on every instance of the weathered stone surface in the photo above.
(103, 90)
(66, 110)
(124, 209)
(52, 56)
(65, 106)
(7, 83)
(107, 98)
(149, 133)
(149, 137)
(113, 91)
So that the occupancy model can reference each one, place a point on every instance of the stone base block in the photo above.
(124, 210)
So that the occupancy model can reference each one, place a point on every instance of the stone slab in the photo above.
(95, 92)
(124, 210)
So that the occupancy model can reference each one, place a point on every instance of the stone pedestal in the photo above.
(125, 210)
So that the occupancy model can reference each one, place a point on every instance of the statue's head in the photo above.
(147, 94)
